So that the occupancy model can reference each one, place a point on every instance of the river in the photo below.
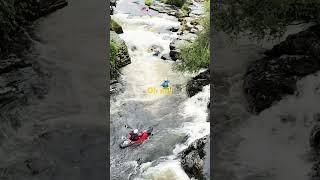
(72, 116)
(177, 120)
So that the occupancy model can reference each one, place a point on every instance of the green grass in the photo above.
(148, 2)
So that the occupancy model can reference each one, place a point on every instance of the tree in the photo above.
(262, 18)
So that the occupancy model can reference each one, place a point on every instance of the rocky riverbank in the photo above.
(193, 158)
(120, 49)
(269, 79)
(21, 77)
(275, 76)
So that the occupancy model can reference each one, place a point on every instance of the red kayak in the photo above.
(145, 136)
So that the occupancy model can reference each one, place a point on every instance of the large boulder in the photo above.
(196, 84)
(114, 26)
(303, 43)
(193, 158)
(122, 57)
(269, 79)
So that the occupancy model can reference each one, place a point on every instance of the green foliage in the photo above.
(263, 18)
(196, 55)
(148, 2)
(178, 3)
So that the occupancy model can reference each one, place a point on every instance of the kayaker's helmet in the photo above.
(135, 131)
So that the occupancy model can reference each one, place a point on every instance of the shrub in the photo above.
(148, 2)
(196, 55)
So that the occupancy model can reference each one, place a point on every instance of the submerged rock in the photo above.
(196, 84)
(269, 79)
(192, 158)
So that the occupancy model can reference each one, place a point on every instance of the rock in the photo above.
(314, 139)
(37, 166)
(303, 43)
(175, 54)
(114, 26)
(193, 30)
(155, 50)
(165, 57)
(196, 84)
(113, 3)
(269, 79)
(49, 6)
(174, 29)
(192, 158)
(122, 57)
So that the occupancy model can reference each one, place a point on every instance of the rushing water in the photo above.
(177, 120)
(272, 144)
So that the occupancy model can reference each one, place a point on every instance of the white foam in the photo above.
(167, 170)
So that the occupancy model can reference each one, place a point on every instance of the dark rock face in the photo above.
(303, 43)
(196, 84)
(175, 54)
(269, 79)
(192, 158)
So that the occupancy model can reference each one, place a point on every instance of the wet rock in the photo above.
(269, 79)
(175, 54)
(36, 166)
(314, 139)
(123, 57)
(303, 43)
(174, 29)
(192, 158)
(114, 26)
(164, 8)
(155, 50)
(196, 84)
(165, 57)
(49, 6)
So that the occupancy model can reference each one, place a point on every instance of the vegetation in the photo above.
(263, 18)
(196, 55)
(178, 3)
(148, 2)
(114, 49)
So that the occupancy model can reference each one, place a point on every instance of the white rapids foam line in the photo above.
(196, 108)
(169, 170)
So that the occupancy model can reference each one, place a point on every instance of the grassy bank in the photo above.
(196, 55)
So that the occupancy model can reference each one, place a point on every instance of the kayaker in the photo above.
(134, 135)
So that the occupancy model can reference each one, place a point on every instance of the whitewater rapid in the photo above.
(177, 119)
